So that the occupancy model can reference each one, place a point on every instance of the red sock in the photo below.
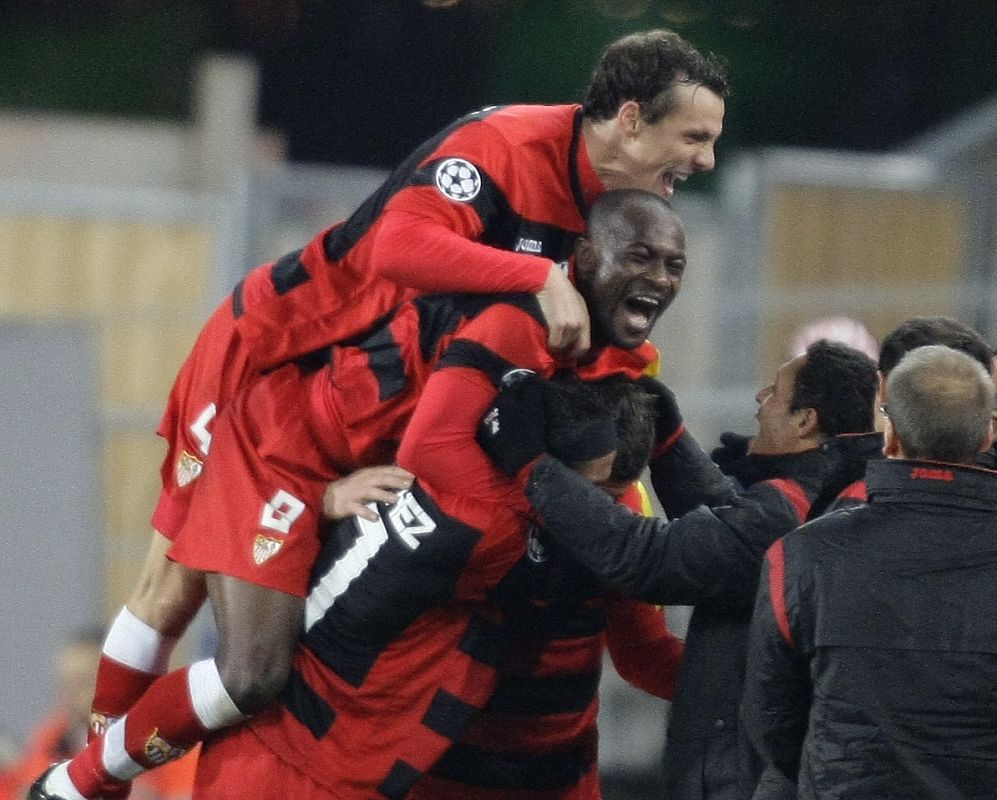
(133, 656)
(87, 772)
(163, 725)
(172, 716)
(117, 690)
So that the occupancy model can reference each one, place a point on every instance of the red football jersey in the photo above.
(515, 179)
(256, 515)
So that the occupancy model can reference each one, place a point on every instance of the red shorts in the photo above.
(256, 513)
(217, 367)
(238, 766)
(275, 325)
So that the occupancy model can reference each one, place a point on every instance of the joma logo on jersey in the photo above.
(525, 245)
(409, 519)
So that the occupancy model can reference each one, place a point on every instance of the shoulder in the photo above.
(819, 537)
(510, 133)
(471, 306)
(502, 316)
(521, 124)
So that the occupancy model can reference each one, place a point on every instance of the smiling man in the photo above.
(871, 665)
(492, 203)
(629, 268)
(658, 141)
(418, 383)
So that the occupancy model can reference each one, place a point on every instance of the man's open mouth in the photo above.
(642, 310)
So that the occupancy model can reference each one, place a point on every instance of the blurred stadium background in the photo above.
(150, 153)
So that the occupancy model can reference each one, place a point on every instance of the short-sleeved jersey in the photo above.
(256, 514)
(516, 179)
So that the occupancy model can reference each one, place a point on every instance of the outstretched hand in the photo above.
(348, 497)
(568, 326)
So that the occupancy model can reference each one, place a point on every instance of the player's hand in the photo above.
(512, 431)
(348, 496)
(568, 327)
(732, 451)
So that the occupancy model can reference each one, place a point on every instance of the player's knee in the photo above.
(255, 682)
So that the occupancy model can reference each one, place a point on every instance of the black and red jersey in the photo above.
(484, 207)
(400, 644)
(415, 388)
(516, 179)
(536, 738)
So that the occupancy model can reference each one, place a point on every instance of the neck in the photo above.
(602, 145)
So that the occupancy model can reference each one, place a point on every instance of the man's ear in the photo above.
(586, 256)
(988, 440)
(808, 423)
(891, 443)
(629, 118)
(879, 419)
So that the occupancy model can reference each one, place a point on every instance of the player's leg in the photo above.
(141, 638)
(257, 629)
(252, 530)
(168, 595)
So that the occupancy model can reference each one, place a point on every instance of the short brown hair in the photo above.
(645, 67)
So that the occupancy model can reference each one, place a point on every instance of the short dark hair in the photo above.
(572, 402)
(921, 331)
(635, 418)
(941, 403)
(645, 67)
(580, 417)
(839, 383)
(605, 210)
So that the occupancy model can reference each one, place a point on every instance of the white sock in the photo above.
(212, 706)
(114, 756)
(58, 783)
(208, 695)
(138, 645)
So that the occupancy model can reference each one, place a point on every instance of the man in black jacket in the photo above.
(710, 557)
(873, 651)
(852, 453)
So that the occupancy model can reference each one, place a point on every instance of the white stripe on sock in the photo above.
(114, 756)
(138, 645)
(58, 784)
(211, 701)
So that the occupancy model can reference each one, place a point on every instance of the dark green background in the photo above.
(362, 82)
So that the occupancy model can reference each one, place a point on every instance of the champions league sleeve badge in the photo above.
(458, 179)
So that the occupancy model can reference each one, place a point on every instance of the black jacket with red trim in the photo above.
(710, 558)
(873, 651)
(848, 457)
